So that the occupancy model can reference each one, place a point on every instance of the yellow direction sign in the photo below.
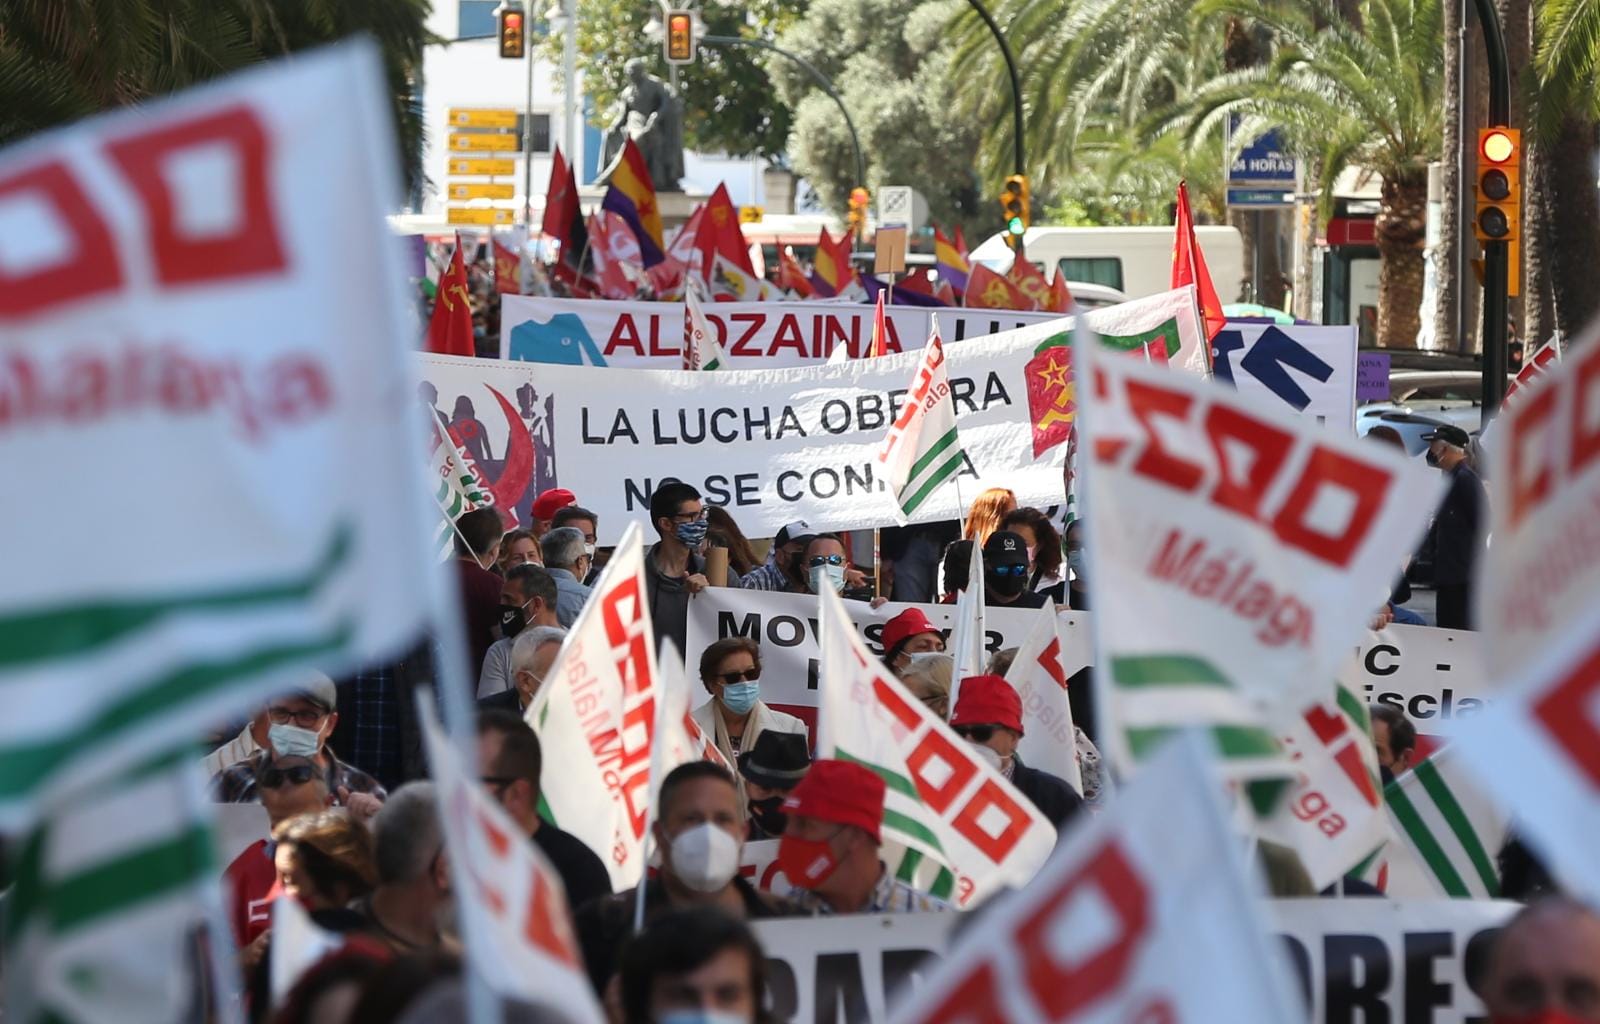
(486, 165)
(491, 142)
(480, 118)
(470, 190)
(751, 214)
(480, 215)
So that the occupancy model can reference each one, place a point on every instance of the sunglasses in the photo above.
(1010, 570)
(825, 560)
(976, 733)
(748, 675)
(299, 775)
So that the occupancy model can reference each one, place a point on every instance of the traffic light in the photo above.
(679, 37)
(1014, 208)
(1500, 196)
(513, 24)
(859, 198)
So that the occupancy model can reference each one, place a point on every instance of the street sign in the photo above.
(751, 214)
(490, 166)
(480, 215)
(489, 142)
(1259, 197)
(895, 207)
(482, 118)
(475, 190)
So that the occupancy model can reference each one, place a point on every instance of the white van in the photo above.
(1135, 261)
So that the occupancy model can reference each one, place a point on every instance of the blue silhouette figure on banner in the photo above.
(563, 341)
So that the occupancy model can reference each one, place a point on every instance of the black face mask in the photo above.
(512, 620)
(768, 816)
(1385, 775)
(1433, 460)
(1005, 586)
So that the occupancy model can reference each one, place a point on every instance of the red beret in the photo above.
(988, 700)
(546, 505)
(842, 792)
(906, 625)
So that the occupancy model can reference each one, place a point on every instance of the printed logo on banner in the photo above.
(1052, 397)
(526, 466)
(562, 340)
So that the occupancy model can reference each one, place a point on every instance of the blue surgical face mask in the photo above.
(1075, 562)
(740, 697)
(690, 534)
(292, 741)
(700, 1016)
(829, 577)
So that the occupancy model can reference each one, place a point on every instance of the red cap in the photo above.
(546, 505)
(842, 792)
(988, 700)
(906, 625)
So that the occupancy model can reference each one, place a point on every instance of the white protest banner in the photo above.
(1247, 547)
(753, 335)
(1543, 570)
(852, 968)
(1332, 814)
(177, 329)
(773, 446)
(595, 716)
(515, 922)
(942, 802)
(1435, 676)
(1308, 368)
(1124, 923)
(1049, 740)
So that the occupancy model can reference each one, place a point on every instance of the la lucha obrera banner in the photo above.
(773, 446)
(188, 360)
(1243, 547)
(1144, 913)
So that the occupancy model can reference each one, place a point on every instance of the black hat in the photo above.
(779, 760)
(1004, 548)
(1449, 434)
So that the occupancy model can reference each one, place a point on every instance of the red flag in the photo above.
(1030, 282)
(563, 219)
(944, 293)
(682, 247)
(880, 328)
(988, 290)
(718, 234)
(1189, 267)
(1060, 297)
(917, 283)
(507, 269)
(790, 276)
(616, 252)
(450, 327)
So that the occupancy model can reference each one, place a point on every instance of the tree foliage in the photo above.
(729, 103)
(61, 60)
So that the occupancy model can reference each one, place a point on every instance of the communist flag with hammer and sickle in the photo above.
(450, 327)
(1052, 393)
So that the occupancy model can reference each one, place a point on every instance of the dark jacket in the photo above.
(1050, 793)
(505, 700)
(668, 597)
(1457, 536)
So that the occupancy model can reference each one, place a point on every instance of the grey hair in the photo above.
(406, 836)
(528, 642)
(934, 666)
(562, 547)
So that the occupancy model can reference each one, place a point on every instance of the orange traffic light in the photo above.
(513, 26)
(1500, 194)
(680, 37)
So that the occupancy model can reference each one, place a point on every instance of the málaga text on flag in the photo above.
(1258, 541)
(595, 716)
(922, 450)
(942, 802)
(1049, 739)
(1542, 573)
(110, 887)
(515, 922)
(1143, 915)
(295, 413)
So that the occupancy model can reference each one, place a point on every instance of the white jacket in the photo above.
(761, 719)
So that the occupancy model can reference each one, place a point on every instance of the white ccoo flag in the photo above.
(922, 450)
(700, 348)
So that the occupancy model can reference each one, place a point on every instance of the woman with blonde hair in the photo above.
(987, 511)
(928, 676)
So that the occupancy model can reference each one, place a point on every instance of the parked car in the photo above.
(1409, 425)
(1453, 396)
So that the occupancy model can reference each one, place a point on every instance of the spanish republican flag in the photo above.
(632, 196)
(450, 327)
(951, 261)
(1189, 267)
(830, 268)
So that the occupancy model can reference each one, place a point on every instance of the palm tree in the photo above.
(61, 60)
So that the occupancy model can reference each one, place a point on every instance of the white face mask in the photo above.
(705, 857)
(292, 741)
(588, 549)
(985, 754)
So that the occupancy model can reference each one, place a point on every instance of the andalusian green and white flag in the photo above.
(700, 348)
(181, 319)
(460, 489)
(1449, 830)
(112, 884)
(922, 450)
(943, 804)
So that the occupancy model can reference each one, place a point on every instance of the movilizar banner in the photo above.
(773, 446)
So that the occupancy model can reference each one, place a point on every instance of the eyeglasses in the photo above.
(1010, 570)
(496, 782)
(821, 560)
(690, 517)
(748, 675)
(976, 733)
(298, 775)
(304, 719)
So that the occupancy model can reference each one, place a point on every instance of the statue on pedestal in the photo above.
(650, 114)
